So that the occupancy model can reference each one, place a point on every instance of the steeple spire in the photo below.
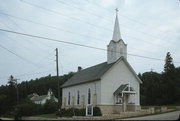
(116, 33)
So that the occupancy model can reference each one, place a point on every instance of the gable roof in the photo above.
(123, 88)
(95, 73)
(38, 98)
(120, 89)
(89, 74)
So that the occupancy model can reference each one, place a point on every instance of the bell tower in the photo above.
(116, 48)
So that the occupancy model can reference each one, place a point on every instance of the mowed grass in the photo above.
(159, 107)
(47, 115)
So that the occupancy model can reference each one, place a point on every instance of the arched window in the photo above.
(78, 97)
(89, 96)
(69, 98)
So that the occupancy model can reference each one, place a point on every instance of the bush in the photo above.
(80, 112)
(71, 112)
(28, 109)
(50, 106)
(97, 111)
(77, 112)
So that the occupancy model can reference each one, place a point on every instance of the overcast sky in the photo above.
(150, 28)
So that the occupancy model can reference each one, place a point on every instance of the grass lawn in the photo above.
(158, 107)
(149, 114)
(48, 115)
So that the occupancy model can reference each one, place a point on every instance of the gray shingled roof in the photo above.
(89, 74)
(38, 98)
(95, 73)
(120, 89)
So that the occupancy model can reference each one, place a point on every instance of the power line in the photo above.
(37, 64)
(58, 13)
(128, 18)
(34, 73)
(71, 43)
(67, 31)
(16, 41)
(52, 27)
(28, 74)
(17, 55)
(82, 10)
(20, 28)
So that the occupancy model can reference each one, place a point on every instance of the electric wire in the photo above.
(22, 58)
(67, 31)
(59, 13)
(71, 43)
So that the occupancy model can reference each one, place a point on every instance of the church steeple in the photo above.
(116, 32)
(116, 48)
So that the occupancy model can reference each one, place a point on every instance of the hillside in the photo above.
(40, 86)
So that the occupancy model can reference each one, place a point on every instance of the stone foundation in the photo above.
(110, 109)
(118, 109)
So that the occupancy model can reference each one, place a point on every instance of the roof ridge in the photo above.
(93, 66)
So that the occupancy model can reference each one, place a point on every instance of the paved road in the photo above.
(166, 116)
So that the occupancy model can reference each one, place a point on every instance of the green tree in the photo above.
(169, 66)
(150, 89)
(169, 83)
(3, 99)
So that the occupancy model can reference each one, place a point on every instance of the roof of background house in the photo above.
(95, 73)
(38, 98)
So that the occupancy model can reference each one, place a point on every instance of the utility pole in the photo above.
(57, 69)
(13, 82)
(17, 90)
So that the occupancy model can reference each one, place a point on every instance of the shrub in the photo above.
(50, 106)
(97, 111)
(80, 112)
(26, 109)
(71, 112)
(77, 112)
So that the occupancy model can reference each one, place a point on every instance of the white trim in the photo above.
(133, 92)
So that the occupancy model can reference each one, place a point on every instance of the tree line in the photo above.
(8, 92)
(156, 89)
(161, 88)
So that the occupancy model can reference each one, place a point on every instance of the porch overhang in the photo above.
(124, 88)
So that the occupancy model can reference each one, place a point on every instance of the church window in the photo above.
(69, 96)
(89, 96)
(78, 97)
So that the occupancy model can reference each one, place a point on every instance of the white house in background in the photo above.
(113, 86)
(42, 99)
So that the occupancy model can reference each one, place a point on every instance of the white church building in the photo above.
(113, 86)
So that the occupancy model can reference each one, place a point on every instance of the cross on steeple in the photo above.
(116, 10)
